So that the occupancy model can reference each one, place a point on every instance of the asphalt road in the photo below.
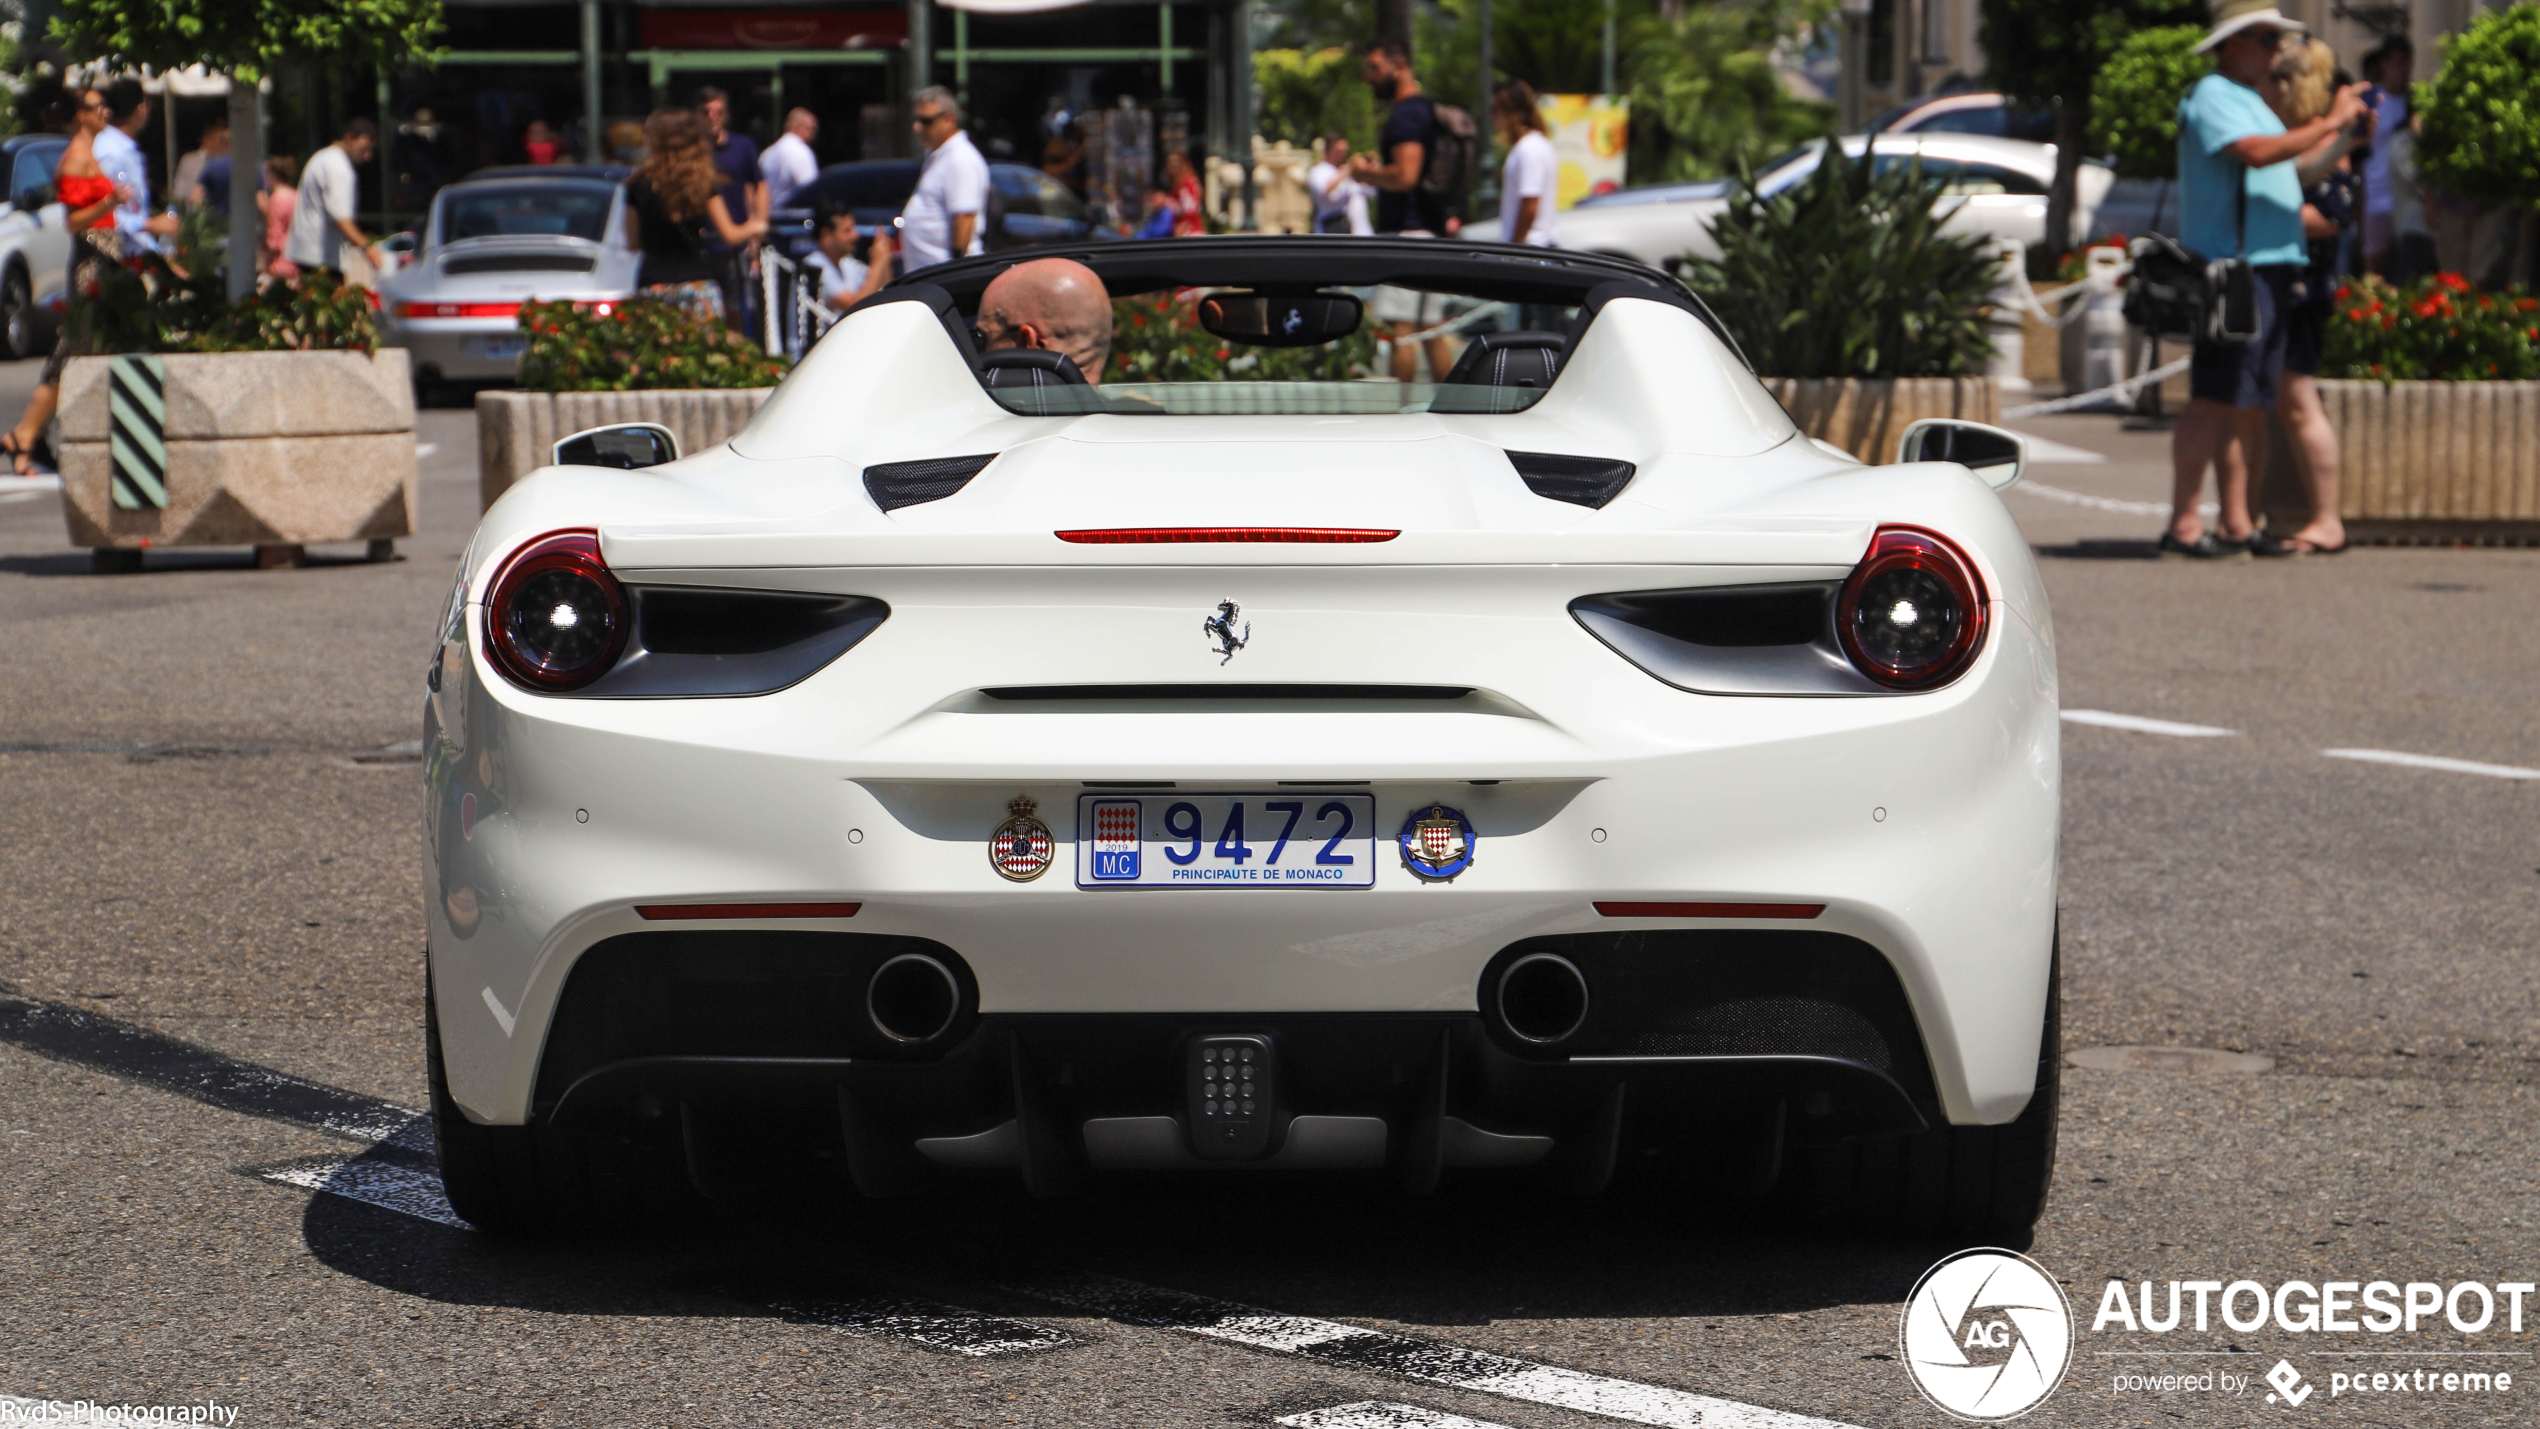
(193, 847)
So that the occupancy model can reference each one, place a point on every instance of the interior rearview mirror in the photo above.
(1990, 452)
(627, 446)
(1280, 319)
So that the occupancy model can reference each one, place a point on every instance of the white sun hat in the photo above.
(2234, 16)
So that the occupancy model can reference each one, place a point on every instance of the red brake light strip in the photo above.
(684, 912)
(1226, 535)
(1710, 910)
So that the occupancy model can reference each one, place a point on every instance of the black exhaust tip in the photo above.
(1543, 997)
(913, 998)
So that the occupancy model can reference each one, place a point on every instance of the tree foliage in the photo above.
(1306, 94)
(248, 36)
(1847, 274)
(2040, 52)
(2481, 136)
(2134, 101)
(1705, 95)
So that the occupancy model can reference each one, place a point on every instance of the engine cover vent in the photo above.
(895, 484)
(1589, 481)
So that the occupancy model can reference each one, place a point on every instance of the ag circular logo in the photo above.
(1986, 1335)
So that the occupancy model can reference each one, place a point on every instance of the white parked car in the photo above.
(1991, 187)
(35, 245)
(494, 241)
(966, 771)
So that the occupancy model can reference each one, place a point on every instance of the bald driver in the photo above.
(1053, 304)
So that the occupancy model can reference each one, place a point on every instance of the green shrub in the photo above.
(1306, 94)
(1847, 274)
(2481, 137)
(2436, 329)
(1157, 338)
(2134, 102)
(151, 305)
(640, 344)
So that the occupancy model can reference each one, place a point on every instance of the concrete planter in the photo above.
(267, 449)
(1866, 416)
(515, 431)
(2435, 462)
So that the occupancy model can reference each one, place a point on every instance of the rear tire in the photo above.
(490, 1173)
(1974, 1184)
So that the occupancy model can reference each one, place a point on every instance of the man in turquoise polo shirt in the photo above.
(2239, 196)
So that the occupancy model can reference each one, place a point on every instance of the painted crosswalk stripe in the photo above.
(2433, 761)
(136, 435)
(2142, 724)
(395, 1183)
(950, 1329)
(1381, 1414)
(1341, 1346)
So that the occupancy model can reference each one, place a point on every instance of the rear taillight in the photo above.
(556, 619)
(1911, 616)
(458, 310)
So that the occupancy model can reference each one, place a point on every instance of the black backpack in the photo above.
(1446, 170)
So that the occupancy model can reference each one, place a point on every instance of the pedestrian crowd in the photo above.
(2294, 177)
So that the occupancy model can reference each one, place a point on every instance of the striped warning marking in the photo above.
(1352, 1347)
(1381, 1414)
(136, 434)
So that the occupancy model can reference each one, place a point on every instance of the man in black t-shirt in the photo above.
(1402, 149)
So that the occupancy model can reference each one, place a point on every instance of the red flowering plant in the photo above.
(2439, 329)
(1156, 337)
(639, 344)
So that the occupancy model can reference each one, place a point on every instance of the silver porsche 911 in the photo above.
(493, 241)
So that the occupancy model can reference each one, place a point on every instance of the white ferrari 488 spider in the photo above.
(1561, 769)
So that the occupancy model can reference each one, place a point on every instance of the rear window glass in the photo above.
(1164, 363)
(513, 210)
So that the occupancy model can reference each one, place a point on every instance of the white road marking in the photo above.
(2433, 761)
(19, 496)
(948, 1328)
(30, 483)
(1381, 1414)
(2042, 452)
(392, 1185)
(1332, 1343)
(426, 448)
(2143, 725)
(2108, 503)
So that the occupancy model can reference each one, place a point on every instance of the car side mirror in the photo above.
(627, 446)
(1990, 452)
(1280, 320)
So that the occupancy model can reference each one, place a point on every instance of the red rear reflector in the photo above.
(1226, 535)
(1710, 910)
(676, 912)
(458, 310)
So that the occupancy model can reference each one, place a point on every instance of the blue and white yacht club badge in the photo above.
(1437, 843)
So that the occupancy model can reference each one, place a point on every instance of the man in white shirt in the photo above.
(944, 219)
(330, 189)
(120, 156)
(789, 164)
(1340, 202)
(1530, 181)
(843, 281)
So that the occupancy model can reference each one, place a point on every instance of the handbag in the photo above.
(2175, 292)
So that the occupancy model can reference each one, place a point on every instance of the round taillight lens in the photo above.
(556, 619)
(1912, 614)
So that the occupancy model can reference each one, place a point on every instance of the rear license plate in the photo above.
(500, 346)
(1290, 839)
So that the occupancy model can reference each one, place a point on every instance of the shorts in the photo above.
(2243, 374)
(1408, 306)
